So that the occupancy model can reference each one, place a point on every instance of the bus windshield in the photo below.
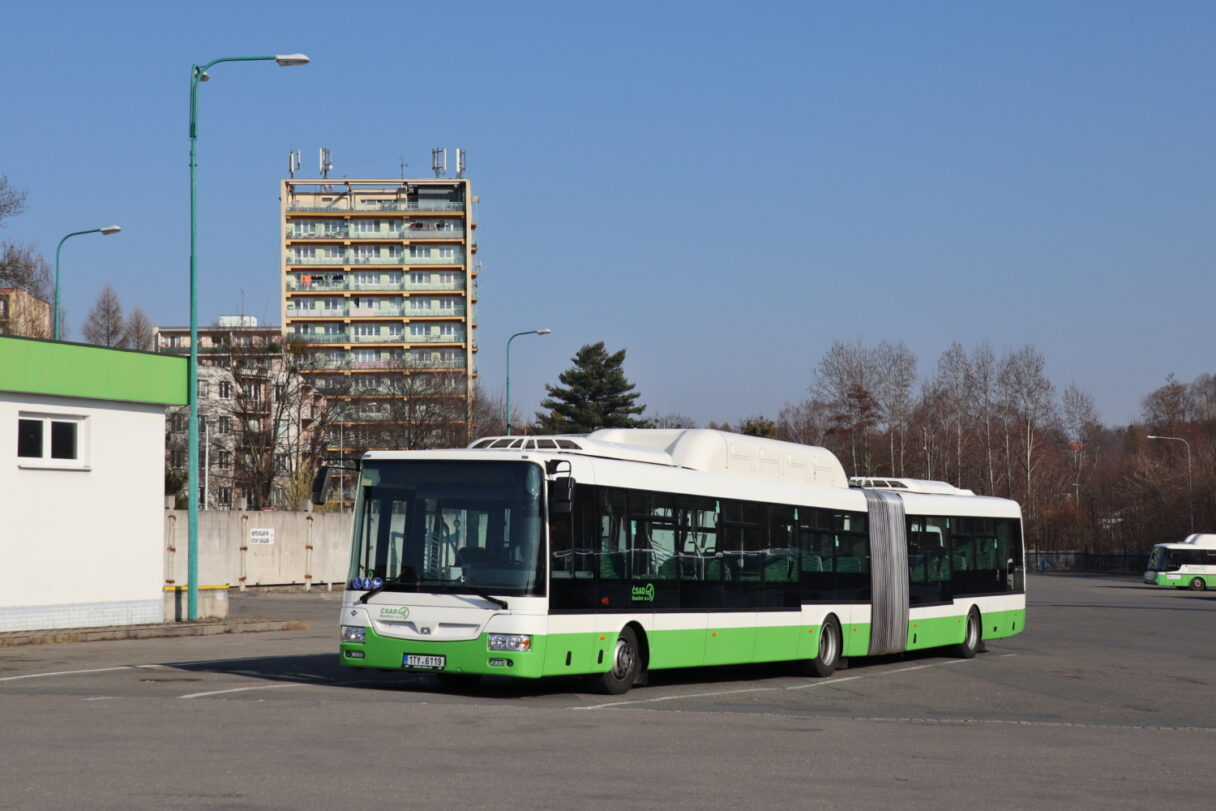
(1157, 560)
(447, 526)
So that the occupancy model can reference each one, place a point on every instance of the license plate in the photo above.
(423, 662)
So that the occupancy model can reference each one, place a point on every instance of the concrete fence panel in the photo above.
(251, 548)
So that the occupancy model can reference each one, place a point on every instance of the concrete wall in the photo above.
(226, 555)
(80, 541)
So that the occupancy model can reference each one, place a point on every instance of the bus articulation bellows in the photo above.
(624, 551)
(1187, 565)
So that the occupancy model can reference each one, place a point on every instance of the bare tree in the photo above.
(845, 379)
(1080, 421)
(105, 325)
(954, 379)
(25, 269)
(672, 420)
(896, 370)
(1030, 405)
(277, 423)
(805, 422)
(12, 201)
(981, 383)
(138, 333)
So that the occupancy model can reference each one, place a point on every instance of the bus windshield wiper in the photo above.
(367, 595)
(485, 595)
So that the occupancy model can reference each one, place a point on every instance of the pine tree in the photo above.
(594, 394)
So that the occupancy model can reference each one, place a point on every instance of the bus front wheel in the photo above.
(1198, 584)
(827, 658)
(971, 636)
(626, 665)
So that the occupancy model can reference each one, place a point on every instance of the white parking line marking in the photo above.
(823, 683)
(74, 672)
(239, 690)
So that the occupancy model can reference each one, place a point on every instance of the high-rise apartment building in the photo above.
(379, 288)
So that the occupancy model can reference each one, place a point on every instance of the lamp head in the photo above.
(543, 331)
(111, 229)
(287, 60)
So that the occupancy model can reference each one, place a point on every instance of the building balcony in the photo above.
(378, 312)
(353, 258)
(403, 206)
(294, 285)
(393, 234)
(379, 338)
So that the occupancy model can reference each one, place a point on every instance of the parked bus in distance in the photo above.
(612, 554)
(1187, 565)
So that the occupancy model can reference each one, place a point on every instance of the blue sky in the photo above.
(721, 188)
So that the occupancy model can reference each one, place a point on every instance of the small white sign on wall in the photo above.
(261, 536)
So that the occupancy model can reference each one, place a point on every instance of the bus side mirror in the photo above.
(561, 495)
(320, 485)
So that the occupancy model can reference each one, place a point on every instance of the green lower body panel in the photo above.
(587, 653)
(1182, 580)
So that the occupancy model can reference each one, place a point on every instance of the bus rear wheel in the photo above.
(971, 636)
(828, 657)
(1198, 584)
(626, 665)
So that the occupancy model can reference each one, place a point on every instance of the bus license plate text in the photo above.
(418, 660)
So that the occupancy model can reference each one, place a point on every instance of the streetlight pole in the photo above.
(1190, 481)
(199, 74)
(509, 340)
(106, 231)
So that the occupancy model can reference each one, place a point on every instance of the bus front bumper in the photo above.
(473, 657)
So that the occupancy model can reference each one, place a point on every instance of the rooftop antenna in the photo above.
(460, 156)
(439, 161)
(293, 163)
(403, 165)
(326, 161)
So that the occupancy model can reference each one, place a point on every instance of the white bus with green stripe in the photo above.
(1187, 565)
(625, 551)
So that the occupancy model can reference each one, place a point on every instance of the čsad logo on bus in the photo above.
(396, 612)
(645, 593)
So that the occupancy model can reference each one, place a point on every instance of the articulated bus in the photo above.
(1187, 565)
(623, 551)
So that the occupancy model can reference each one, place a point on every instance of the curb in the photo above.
(152, 631)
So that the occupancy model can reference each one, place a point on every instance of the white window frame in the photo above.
(45, 461)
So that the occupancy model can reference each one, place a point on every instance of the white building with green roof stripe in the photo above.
(82, 460)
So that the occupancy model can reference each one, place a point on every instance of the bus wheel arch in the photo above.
(643, 651)
(973, 635)
(829, 652)
(625, 663)
(1198, 584)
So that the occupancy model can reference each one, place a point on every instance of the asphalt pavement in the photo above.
(1107, 700)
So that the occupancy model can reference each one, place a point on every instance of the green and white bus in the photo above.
(1187, 565)
(625, 551)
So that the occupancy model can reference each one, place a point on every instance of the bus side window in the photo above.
(612, 541)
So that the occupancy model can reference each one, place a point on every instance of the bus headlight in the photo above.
(515, 642)
(354, 633)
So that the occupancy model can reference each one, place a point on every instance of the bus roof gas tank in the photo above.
(721, 452)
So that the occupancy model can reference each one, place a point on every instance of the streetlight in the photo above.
(509, 340)
(109, 229)
(199, 74)
(1190, 482)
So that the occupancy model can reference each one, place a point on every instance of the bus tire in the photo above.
(1198, 584)
(626, 665)
(827, 658)
(972, 636)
